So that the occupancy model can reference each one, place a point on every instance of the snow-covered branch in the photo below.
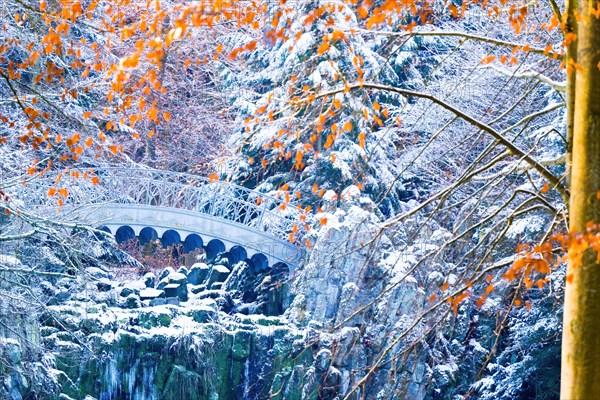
(556, 85)
(469, 36)
(513, 148)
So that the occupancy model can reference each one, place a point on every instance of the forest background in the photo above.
(453, 123)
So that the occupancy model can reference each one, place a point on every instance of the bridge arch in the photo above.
(280, 271)
(236, 254)
(214, 248)
(169, 238)
(124, 233)
(192, 242)
(257, 261)
(147, 234)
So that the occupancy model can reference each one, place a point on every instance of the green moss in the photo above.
(164, 319)
(184, 384)
(242, 342)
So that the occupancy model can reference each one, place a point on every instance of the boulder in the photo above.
(166, 272)
(132, 287)
(132, 301)
(150, 294)
(177, 277)
(218, 273)
(159, 301)
(176, 290)
(126, 291)
(182, 270)
(198, 289)
(204, 314)
(174, 301)
(163, 282)
(104, 285)
(149, 280)
(198, 273)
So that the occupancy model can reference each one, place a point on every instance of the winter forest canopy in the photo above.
(299, 199)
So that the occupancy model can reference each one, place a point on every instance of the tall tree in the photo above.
(580, 361)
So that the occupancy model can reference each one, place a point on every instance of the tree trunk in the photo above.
(570, 28)
(581, 332)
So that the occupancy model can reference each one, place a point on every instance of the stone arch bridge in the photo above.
(220, 217)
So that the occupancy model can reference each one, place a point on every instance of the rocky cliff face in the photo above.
(220, 331)
(351, 323)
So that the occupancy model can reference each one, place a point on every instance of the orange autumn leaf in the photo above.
(459, 299)
(545, 188)
(488, 59)
(328, 142)
(480, 301)
(323, 48)
(362, 12)
(152, 114)
(361, 139)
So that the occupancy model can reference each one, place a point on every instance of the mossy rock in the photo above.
(47, 330)
(184, 384)
(268, 321)
(203, 314)
(152, 319)
(242, 343)
(277, 388)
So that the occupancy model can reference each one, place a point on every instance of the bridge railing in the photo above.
(219, 199)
